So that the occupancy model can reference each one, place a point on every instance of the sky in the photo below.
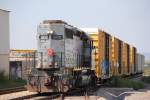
(129, 20)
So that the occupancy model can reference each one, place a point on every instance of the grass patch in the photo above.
(146, 79)
(125, 83)
(6, 83)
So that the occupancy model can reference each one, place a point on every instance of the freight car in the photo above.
(102, 47)
(139, 63)
(113, 57)
(63, 58)
(69, 57)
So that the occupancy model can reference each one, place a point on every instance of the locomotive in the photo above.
(64, 58)
(69, 57)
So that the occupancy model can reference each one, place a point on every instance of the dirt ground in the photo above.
(115, 94)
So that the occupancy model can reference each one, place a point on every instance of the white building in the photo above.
(4, 41)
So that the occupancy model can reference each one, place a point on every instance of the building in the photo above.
(21, 62)
(4, 41)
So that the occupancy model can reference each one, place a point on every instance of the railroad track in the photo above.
(42, 96)
(11, 90)
(51, 96)
(21, 94)
(135, 76)
(81, 91)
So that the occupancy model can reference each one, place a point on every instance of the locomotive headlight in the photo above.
(50, 32)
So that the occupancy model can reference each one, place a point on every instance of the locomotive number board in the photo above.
(57, 37)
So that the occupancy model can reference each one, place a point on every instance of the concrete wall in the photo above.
(4, 41)
(4, 63)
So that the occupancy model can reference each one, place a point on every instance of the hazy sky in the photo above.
(128, 20)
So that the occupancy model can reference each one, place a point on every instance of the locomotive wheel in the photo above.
(59, 86)
(65, 88)
(62, 88)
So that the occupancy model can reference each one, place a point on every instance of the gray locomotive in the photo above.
(63, 58)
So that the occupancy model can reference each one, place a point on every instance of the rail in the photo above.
(12, 90)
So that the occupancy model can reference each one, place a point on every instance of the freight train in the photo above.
(69, 57)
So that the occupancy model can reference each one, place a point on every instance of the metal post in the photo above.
(61, 59)
(26, 64)
(29, 61)
(54, 60)
(95, 61)
(62, 96)
(41, 60)
(77, 61)
(21, 70)
(34, 59)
